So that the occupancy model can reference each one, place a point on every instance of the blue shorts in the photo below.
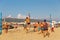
(42, 28)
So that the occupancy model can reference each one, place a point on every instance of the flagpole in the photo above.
(50, 21)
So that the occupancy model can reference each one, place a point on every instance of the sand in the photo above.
(20, 34)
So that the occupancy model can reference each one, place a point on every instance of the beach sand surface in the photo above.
(20, 34)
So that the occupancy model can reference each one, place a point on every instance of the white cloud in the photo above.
(21, 16)
(9, 16)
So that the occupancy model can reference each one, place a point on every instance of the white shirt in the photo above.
(52, 24)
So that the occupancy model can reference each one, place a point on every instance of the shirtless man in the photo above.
(41, 27)
(36, 26)
(45, 29)
(27, 23)
(5, 27)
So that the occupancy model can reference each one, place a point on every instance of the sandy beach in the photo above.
(20, 34)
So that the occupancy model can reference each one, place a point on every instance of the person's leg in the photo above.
(25, 27)
(44, 33)
(40, 32)
(47, 33)
(42, 29)
(34, 29)
(6, 30)
(39, 29)
(28, 27)
(52, 29)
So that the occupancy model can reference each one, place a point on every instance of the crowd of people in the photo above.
(41, 27)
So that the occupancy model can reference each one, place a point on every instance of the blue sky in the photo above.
(41, 8)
